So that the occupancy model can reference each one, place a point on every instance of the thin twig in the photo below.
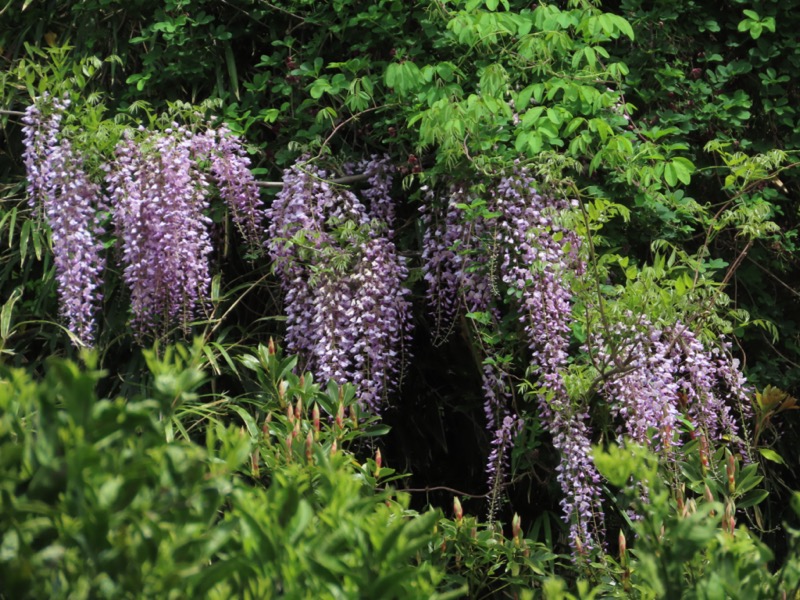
(773, 276)
(338, 180)
(336, 129)
(13, 113)
(441, 488)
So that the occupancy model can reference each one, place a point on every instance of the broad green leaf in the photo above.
(770, 454)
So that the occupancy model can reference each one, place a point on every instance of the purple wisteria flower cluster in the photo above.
(60, 188)
(458, 271)
(662, 376)
(158, 195)
(159, 199)
(230, 170)
(517, 239)
(510, 246)
(348, 314)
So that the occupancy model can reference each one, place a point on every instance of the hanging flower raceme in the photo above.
(230, 171)
(160, 194)
(348, 314)
(159, 198)
(518, 240)
(60, 188)
(659, 377)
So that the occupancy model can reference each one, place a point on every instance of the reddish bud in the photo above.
(254, 465)
(333, 448)
(290, 414)
(378, 462)
(691, 506)
(708, 495)
(282, 390)
(457, 510)
(623, 550)
(315, 417)
(703, 453)
(340, 416)
(309, 442)
(302, 380)
(354, 415)
(298, 408)
(731, 469)
(289, 443)
(271, 346)
(516, 528)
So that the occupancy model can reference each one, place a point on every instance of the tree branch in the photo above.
(339, 180)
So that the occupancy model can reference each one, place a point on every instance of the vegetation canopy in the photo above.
(436, 299)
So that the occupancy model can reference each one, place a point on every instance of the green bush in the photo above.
(95, 502)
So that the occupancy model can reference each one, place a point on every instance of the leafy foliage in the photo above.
(665, 131)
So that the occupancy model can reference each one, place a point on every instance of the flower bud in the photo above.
(254, 469)
(623, 550)
(282, 386)
(691, 507)
(290, 414)
(298, 408)
(289, 443)
(516, 528)
(731, 469)
(340, 416)
(458, 512)
(315, 417)
(378, 461)
(333, 448)
(728, 521)
(309, 443)
(271, 346)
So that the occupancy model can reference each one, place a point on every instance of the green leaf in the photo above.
(752, 498)
(248, 419)
(230, 62)
(670, 174)
(24, 235)
(683, 169)
(770, 454)
(6, 313)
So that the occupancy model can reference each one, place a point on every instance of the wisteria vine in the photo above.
(60, 188)
(158, 193)
(348, 314)
(509, 242)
